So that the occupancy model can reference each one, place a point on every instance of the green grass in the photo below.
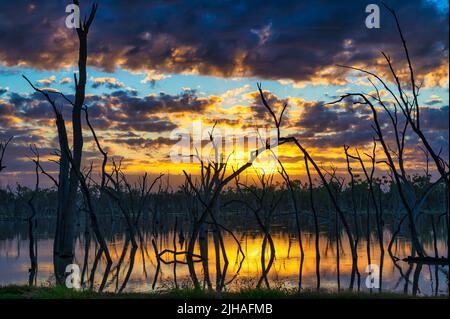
(60, 292)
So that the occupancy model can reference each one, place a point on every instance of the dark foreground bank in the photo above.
(180, 303)
(59, 292)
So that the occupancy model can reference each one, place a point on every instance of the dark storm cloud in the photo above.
(128, 104)
(435, 101)
(333, 126)
(34, 108)
(141, 142)
(318, 118)
(322, 125)
(121, 110)
(152, 124)
(270, 39)
(259, 112)
(106, 84)
(110, 83)
(258, 107)
(435, 118)
(6, 109)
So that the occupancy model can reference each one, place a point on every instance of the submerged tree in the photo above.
(3, 146)
(406, 98)
(69, 158)
(205, 192)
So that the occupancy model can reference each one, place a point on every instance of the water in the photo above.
(241, 273)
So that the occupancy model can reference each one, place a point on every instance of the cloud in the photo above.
(435, 119)
(65, 81)
(126, 122)
(324, 126)
(438, 76)
(333, 125)
(7, 115)
(137, 142)
(434, 99)
(264, 33)
(149, 125)
(257, 107)
(120, 110)
(125, 104)
(122, 120)
(153, 76)
(109, 82)
(298, 40)
(236, 92)
(48, 81)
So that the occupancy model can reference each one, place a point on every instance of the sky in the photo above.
(158, 67)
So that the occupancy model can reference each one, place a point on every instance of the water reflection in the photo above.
(137, 268)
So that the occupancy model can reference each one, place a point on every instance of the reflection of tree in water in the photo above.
(349, 220)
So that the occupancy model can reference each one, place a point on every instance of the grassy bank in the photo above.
(25, 292)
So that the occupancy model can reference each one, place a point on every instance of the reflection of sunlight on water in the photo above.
(14, 262)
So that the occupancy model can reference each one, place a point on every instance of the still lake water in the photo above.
(431, 280)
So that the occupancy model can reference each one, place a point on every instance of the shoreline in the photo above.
(60, 292)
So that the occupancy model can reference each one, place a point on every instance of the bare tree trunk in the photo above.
(338, 253)
(31, 221)
(287, 180)
(316, 223)
(203, 245)
(3, 146)
(70, 161)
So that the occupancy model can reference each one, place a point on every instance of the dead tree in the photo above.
(266, 201)
(353, 203)
(94, 224)
(405, 99)
(370, 181)
(377, 206)
(69, 169)
(3, 146)
(32, 246)
(316, 223)
(211, 177)
(277, 120)
(217, 181)
(295, 206)
(122, 193)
